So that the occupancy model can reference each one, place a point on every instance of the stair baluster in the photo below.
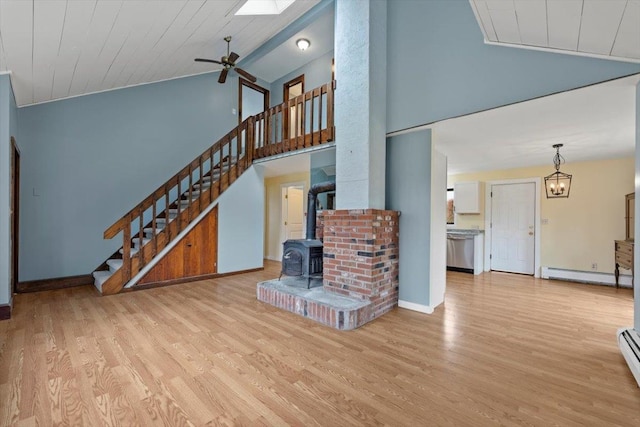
(256, 137)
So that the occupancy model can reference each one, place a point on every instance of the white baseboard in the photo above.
(629, 349)
(415, 307)
(586, 277)
(272, 258)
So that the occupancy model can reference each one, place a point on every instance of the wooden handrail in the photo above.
(256, 137)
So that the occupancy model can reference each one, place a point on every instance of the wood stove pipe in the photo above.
(321, 187)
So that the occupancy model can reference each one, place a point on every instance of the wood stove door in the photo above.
(292, 262)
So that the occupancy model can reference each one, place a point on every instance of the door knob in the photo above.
(531, 233)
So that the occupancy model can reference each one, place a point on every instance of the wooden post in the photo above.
(330, 127)
(126, 251)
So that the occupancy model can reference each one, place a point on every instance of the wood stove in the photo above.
(303, 257)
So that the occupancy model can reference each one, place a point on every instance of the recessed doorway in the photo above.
(14, 212)
(292, 225)
(252, 100)
(512, 218)
(293, 121)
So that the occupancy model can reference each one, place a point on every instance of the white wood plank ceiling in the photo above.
(603, 28)
(62, 48)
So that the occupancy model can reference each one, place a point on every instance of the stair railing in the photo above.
(186, 194)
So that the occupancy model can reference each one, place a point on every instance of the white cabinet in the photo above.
(466, 197)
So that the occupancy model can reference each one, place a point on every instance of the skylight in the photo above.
(264, 7)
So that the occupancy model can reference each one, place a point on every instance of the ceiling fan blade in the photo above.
(223, 75)
(246, 75)
(233, 57)
(208, 60)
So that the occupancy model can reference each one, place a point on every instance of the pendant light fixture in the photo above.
(558, 183)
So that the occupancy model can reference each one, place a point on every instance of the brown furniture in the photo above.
(624, 258)
(624, 248)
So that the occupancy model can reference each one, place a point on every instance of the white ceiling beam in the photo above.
(77, 22)
(506, 24)
(484, 19)
(148, 51)
(564, 23)
(532, 22)
(600, 22)
(627, 42)
(107, 38)
(48, 18)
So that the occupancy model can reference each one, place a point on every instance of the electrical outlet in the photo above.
(594, 266)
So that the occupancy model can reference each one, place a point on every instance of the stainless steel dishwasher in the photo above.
(460, 252)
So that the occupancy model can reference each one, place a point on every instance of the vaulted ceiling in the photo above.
(61, 48)
(606, 28)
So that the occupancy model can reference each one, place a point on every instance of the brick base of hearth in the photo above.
(360, 273)
(332, 310)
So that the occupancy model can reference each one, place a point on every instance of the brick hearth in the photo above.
(361, 256)
(360, 274)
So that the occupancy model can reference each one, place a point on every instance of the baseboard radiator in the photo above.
(593, 277)
(629, 342)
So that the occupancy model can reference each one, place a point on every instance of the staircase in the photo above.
(158, 220)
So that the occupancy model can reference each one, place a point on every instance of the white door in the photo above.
(292, 212)
(513, 227)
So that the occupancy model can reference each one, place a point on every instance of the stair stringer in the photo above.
(144, 270)
(114, 284)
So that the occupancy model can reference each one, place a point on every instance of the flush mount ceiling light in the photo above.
(303, 44)
(558, 183)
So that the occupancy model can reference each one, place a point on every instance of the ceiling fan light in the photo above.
(303, 44)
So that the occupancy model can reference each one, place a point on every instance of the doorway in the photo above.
(292, 225)
(14, 212)
(293, 121)
(512, 216)
(252, 100)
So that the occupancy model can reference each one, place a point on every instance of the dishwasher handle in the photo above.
(453, 237)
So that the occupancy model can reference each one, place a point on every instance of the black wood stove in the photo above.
(303, 257)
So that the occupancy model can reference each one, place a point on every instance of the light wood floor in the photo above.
(503, 349)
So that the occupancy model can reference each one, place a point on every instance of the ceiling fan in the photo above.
(228, 62)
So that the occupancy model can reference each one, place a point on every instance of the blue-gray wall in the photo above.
(408, 190)
(316, 73)
(439, 66)
(8, 128)
(87, 160)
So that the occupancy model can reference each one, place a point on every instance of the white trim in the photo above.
(116, 88)
(7, 72)
(630, 354)
(563, 51)
(427, 309)
(593, 277)
(272, 258)
(487, 221)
